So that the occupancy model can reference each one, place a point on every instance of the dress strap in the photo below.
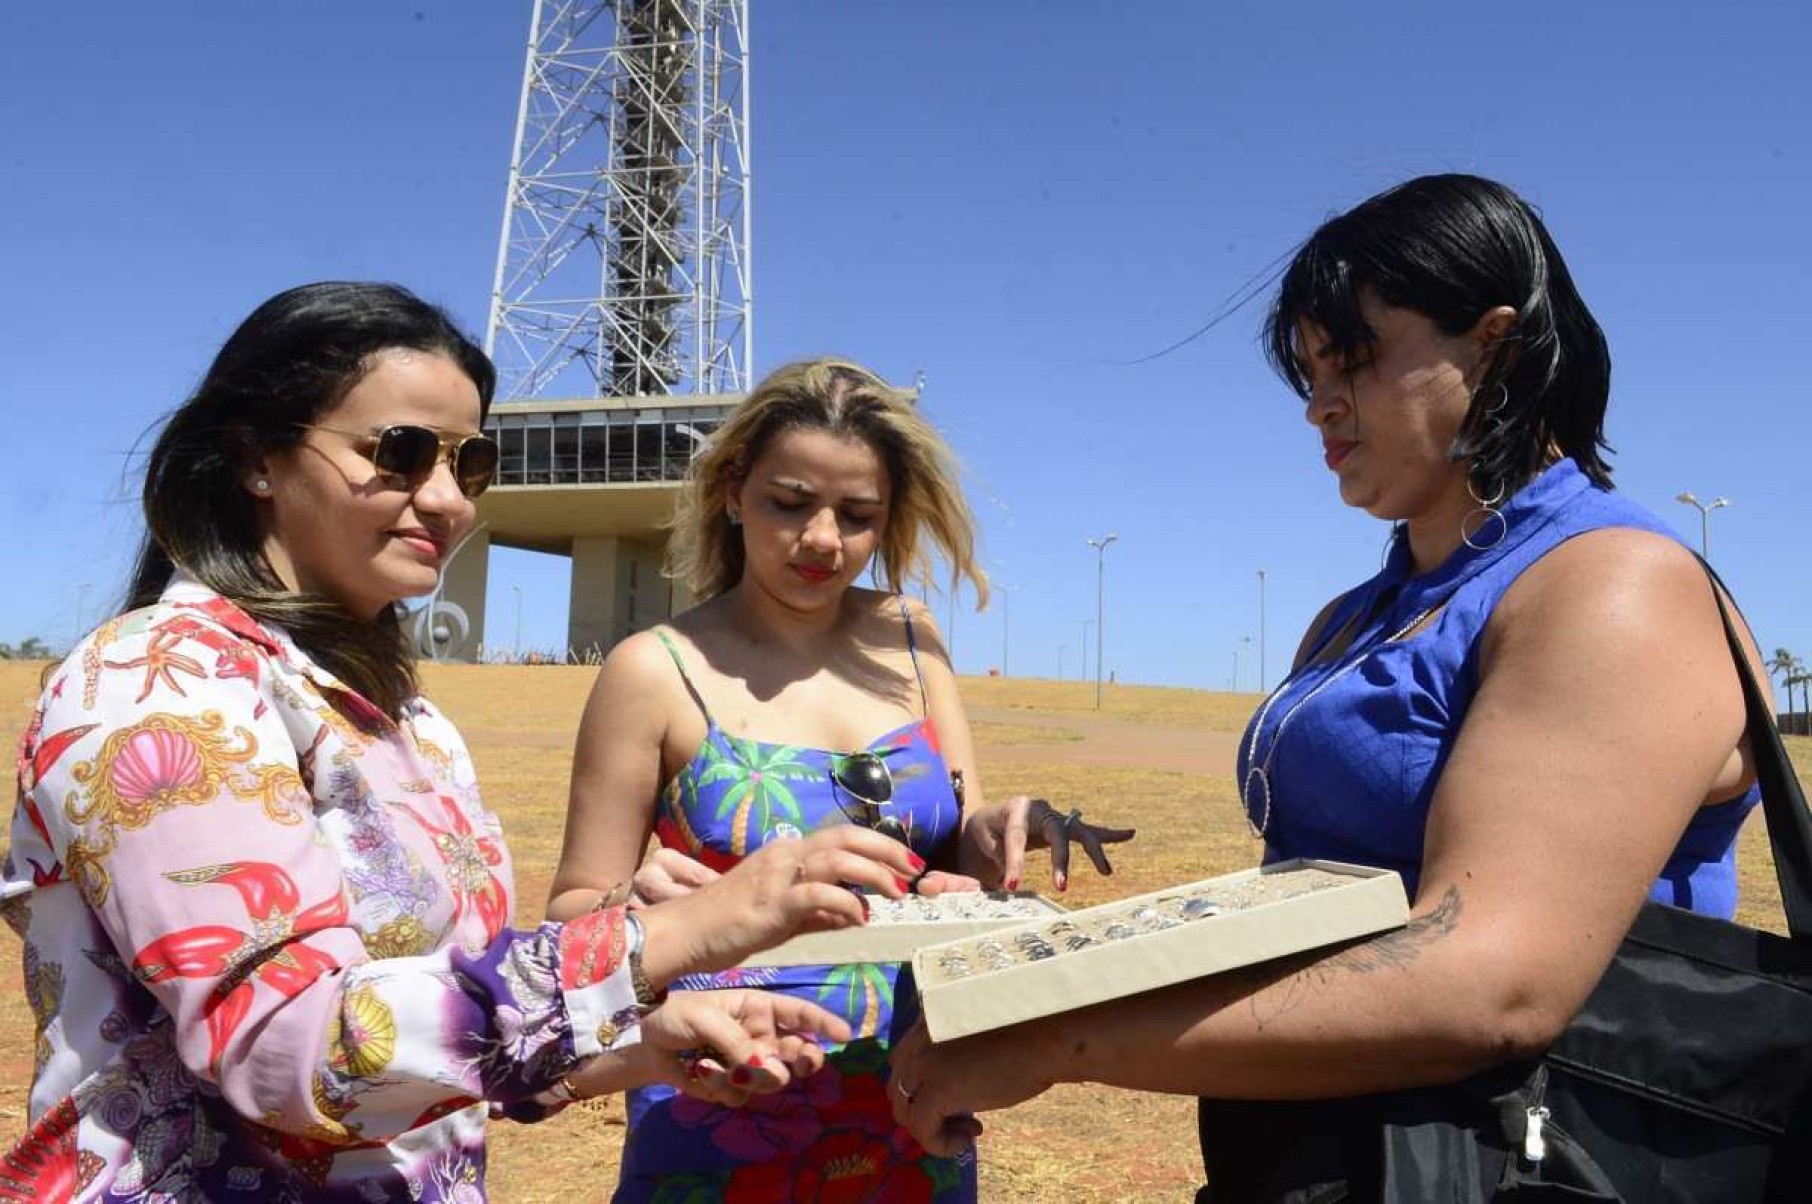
(912, 646)
(680, 665)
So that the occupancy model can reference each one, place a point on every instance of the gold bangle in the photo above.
(609, 898)
(572, 1092)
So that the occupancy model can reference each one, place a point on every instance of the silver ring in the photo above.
(901, 1088)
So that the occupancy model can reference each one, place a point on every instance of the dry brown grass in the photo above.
(1073, 1144)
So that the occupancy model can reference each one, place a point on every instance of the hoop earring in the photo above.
(1503, 399)
(1488, 508)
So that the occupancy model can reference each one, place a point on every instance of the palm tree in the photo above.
(1782, 664)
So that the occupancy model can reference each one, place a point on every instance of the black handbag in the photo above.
(1687, 1075)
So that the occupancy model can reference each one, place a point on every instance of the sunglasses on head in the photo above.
(864, 777)
(410, 452)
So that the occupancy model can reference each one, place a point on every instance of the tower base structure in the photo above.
(595, 480)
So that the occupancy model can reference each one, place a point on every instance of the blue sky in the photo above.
(1015, 197)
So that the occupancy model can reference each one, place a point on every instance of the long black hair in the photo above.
(293, 359)
(1451, 248)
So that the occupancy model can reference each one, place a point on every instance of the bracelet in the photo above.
(565, 1083)
(646, 997)
(610, 898)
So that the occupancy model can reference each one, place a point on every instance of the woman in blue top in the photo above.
(1531, 713)
(790, 700)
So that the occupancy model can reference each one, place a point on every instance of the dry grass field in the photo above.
(1074, 1144)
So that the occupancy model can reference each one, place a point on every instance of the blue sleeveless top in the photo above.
(1351, 750)
(831, 1136)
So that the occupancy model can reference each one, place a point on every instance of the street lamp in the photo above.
(1704, 518)
(516, 645)
(1100, 546)
(81, 608)
(1006, 622)
(1261, 631)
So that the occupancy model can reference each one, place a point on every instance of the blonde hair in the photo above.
(845, 399)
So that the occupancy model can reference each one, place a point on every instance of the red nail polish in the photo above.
(903, 884)
(755, 1061)
(1012, 884)
(741, 1076)
(866, 909)
(697, 1070)
(918, 863)
(1063, 882)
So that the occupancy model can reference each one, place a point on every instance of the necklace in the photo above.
(1262, 772)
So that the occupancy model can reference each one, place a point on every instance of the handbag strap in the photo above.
(1783, 802)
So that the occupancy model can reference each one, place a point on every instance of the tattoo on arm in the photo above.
(1393, 950)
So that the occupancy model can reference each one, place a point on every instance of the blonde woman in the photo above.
(753, 719)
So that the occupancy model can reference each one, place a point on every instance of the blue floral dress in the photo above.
(830, 1137)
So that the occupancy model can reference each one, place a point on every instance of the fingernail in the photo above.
(741, 1076)
(867, 911)
(755, 1061)
(918, 863)
(903, 884)
(697, 1070)
(1063, 882)
(1012, 884)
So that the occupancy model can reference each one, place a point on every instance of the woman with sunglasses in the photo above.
(753, 720)
(1532, 713)
(266, 915)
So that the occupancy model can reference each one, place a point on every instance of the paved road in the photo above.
(1108, 741)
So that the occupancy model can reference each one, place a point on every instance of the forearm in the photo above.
(1404, 1009)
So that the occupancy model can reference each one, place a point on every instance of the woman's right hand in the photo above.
(783, 888)
(721, 1046)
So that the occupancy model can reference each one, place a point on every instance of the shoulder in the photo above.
(165, 654)
(1617, 566)
(879, 606)
(643, 660)
(1621, 591)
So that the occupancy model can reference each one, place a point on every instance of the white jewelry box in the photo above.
(898, 928)
(1045, 966)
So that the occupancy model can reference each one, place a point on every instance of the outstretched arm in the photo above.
(1608, 708)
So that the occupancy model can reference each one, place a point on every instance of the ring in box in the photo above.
(898, 928)
(1130, 946)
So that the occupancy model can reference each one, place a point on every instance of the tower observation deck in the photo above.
(621, 316)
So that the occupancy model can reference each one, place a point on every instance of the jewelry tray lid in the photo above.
(1041, 967)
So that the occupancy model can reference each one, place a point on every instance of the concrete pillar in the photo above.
(466, 577)
(595, 616)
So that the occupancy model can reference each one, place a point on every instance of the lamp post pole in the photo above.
(516, 643)
(1261, 631)
(81, 608)
(1006, 624)
(1704, 509)
(1100, 546)
(1082, 674)
(1060, 649)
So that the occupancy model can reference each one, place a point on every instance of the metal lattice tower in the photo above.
(623, 268)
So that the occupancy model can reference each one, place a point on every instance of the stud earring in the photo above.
(261, 485)
(735, 517)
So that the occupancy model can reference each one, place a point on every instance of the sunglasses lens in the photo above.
(891, 828)
(408, 452)
(865, 776)
(475, 464)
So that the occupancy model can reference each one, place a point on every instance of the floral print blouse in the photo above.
(267, 932)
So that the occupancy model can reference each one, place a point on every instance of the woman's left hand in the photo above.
(995, 838)
(936, 1090)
